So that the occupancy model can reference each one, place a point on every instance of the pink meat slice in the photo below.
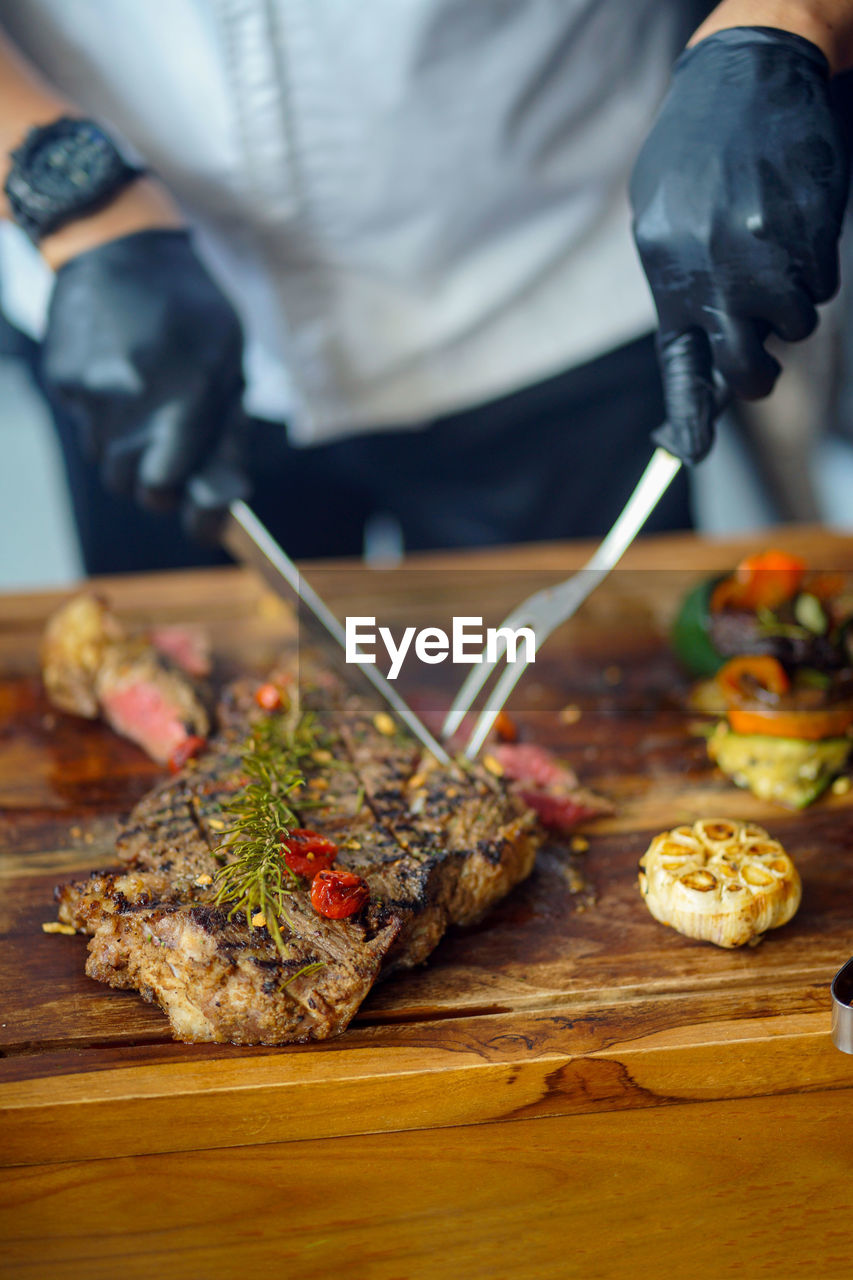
(146, 698)
(147, 715)
(548, 786)
(544, 783)
(187, 646)
(91, 667)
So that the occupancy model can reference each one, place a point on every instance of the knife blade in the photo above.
(251, 544)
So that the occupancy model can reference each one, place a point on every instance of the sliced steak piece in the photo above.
(548, 786)
(75, 640)
(187, 646)
(148, 700)
(436, 847)
(92, 667)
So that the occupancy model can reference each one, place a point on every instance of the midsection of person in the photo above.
(415, 207)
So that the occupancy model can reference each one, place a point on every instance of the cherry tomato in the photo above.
(307, 852)
(268, 696)
(185, 751)
(337, 894)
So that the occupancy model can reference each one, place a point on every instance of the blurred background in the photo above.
(788, 459)
(776, 462)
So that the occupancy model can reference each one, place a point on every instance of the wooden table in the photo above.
(568, 1089)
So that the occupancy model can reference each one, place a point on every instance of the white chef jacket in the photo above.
(415, 205)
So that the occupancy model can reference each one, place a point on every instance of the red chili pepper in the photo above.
(268, 696)
(307, 852)
(338, 894)
(185, 751)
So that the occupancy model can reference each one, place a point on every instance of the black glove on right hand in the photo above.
(738, 196)
(145, 352)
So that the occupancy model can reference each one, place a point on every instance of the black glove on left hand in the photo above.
(738, 196)
(145, 352)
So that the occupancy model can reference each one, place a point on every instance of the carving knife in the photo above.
(251, 544)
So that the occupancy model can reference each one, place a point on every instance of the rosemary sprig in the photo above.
(301, 973)
(256, 878)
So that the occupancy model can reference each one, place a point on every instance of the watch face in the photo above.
(61, 171)
(81, 158)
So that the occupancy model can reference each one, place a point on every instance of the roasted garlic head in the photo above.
(724, 882)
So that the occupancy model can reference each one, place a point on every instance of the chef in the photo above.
(403, 230)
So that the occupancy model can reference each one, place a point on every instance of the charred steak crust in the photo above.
(436, 848)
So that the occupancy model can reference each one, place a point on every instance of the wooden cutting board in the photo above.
(569, 999)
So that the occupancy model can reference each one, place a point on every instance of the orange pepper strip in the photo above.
(765, 671)
(770, 578)
(829, 722)
(746, 716)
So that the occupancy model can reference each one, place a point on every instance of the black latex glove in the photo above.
(738, 196)
(145, 352)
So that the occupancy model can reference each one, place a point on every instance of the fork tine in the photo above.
(480, 673)
(512, 673)
(545, 610)
(541, 611)
(465, 698)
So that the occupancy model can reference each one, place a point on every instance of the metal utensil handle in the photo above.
(842, 1008)
(561, 602)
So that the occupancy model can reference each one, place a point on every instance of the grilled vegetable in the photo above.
(761, 699)
(777, 639)
(787, 722)
(760, 671)
(338, 894)
(788, 771)
(769, 605)
(306, 852)
(691, 633)
(762, 581)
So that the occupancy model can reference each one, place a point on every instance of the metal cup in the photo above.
(842, 1008)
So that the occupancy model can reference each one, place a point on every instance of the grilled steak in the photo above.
(436, 846)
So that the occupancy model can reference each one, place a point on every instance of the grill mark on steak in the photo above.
(435, 847)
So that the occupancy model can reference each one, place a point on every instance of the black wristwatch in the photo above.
(61, 171)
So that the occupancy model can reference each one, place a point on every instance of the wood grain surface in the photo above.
(712, 1191)
(540, 1053)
